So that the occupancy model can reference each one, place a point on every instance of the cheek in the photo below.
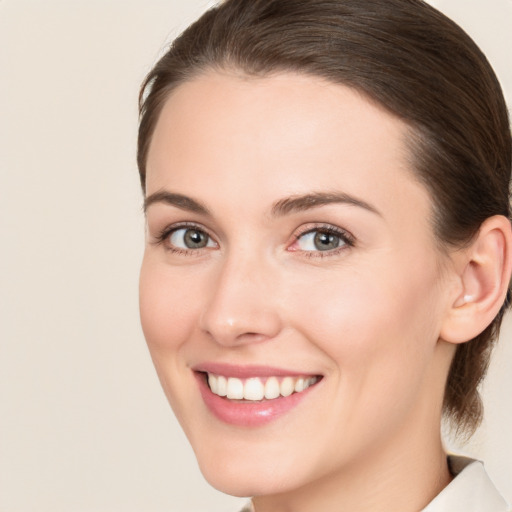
(168, 319)
(379, 328)
(167, 307)
(359, 308)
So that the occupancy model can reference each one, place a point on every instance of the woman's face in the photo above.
(289, 250)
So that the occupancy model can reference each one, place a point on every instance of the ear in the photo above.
(483, 271)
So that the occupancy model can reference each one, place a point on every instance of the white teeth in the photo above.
(287, 386)
(222, 386)
(253, 389)
(272, 388)
(256, 389)
(235, 389)
(212, 382)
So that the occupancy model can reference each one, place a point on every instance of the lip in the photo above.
(248, 371)
(248, 413)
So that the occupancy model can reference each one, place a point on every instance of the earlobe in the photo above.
(484, 274)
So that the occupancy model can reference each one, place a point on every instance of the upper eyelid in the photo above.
(330, 228)
(171, 228)
(183, 225)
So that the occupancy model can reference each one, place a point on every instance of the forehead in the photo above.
(279, 135)
(302, 110)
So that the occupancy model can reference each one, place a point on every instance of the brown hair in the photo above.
(409, 58)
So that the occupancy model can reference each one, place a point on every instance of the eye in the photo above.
(189, 238)
(322, 239)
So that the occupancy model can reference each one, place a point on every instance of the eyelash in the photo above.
(346, 237)
(163, 236)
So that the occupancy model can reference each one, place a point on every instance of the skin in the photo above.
(366, 316)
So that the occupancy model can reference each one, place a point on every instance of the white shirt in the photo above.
(471, 490)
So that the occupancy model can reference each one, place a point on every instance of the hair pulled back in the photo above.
(407, 57)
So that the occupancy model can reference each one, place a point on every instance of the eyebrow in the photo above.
(282, 207)
(177, 200)
(300, 203)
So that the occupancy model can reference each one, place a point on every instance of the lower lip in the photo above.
(248, 413)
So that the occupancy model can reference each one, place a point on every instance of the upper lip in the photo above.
(247, 371)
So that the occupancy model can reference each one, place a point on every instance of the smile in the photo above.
(252, 396)
(258, 388)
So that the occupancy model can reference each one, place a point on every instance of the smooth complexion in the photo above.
(232, 167)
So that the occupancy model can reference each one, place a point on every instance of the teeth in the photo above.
(254, 389)
(287, 386)
(272, 389)
(213, 383)
(235, 389)
(257, 389)
(222, 386)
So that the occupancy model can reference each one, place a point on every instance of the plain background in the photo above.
(84, 425)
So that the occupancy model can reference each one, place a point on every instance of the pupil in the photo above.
(195, 239)
(326, 241)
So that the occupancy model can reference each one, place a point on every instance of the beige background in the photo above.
(84, 425)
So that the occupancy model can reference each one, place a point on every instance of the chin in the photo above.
(245, 471)
(245, 482)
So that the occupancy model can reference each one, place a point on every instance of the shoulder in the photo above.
(471, 490)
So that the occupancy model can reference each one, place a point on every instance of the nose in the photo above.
(241, 306)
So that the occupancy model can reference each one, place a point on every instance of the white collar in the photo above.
(470, 491)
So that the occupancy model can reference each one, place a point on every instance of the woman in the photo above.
(328, 250)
